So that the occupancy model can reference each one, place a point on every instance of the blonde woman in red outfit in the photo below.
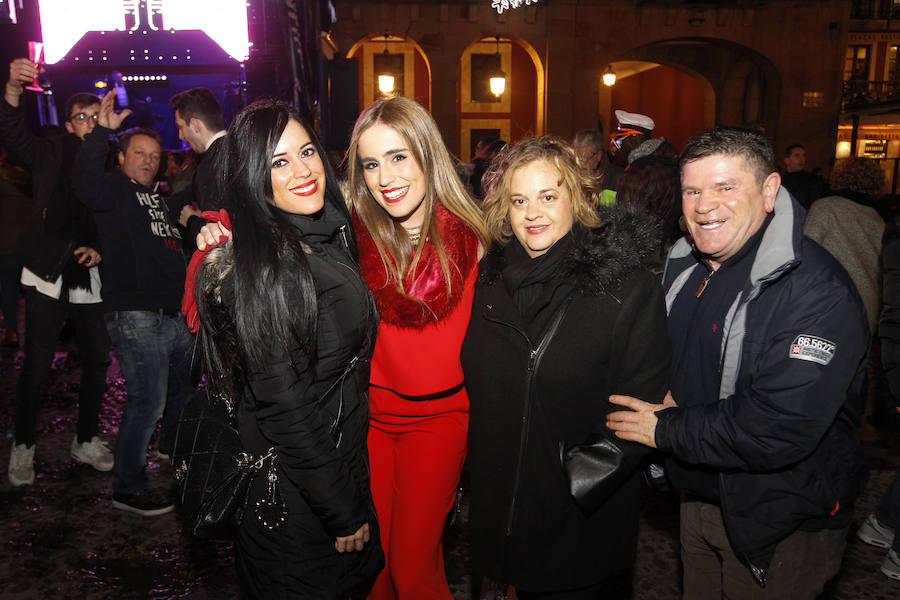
(419, 237)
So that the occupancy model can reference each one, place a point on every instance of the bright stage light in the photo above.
(64, 22)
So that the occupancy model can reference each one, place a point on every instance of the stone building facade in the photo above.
(771, 65)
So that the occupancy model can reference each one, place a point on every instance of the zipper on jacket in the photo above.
(534, 360)
(523, 435)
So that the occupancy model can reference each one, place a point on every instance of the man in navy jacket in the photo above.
(769, 341)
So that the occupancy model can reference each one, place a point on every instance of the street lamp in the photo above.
(498, 79)
(609, 76)
(385, 80)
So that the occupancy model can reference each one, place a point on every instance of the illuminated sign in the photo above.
(502, 5)
(64, 22)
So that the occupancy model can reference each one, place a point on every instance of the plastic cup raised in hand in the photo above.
(35, 54)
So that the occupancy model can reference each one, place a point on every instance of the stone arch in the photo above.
(742, 86)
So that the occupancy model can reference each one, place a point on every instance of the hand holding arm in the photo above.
(108, 117)
(353, 542)
(212, 234)
(639, 423)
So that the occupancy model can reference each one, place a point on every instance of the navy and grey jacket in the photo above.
(778, 439)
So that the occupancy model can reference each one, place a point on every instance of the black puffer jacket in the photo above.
(291, 406)
(526, 529)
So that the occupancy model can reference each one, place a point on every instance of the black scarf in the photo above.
(533, 283)
(318, 228)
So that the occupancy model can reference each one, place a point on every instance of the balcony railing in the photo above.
(861, 94)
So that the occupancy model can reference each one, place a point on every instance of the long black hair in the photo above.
(271, 283)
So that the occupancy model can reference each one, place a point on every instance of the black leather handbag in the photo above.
(214, 473)
(597, 468)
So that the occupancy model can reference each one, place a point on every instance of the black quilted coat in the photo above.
(291, 406)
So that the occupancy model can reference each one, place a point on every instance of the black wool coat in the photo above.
(526, 529)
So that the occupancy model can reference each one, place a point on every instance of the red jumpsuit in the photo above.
(419, 409)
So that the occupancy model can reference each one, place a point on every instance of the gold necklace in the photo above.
(414, 234)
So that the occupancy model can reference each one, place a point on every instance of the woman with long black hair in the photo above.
(287, 331)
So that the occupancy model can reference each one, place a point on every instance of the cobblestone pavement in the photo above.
(61, 538)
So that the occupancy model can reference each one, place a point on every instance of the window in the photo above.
(875, 148)
(892, 73)
(862, 9)
(856, 63)
(813, 99)
(483, 67)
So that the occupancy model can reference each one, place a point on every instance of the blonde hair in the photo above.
(423, 139)
(573, 174)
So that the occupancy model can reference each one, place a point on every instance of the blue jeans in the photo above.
(154, 352)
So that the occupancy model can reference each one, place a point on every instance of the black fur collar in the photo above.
(601, 259)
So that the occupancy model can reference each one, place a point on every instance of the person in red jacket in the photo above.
(419, 236)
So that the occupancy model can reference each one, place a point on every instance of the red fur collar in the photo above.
(427, 283)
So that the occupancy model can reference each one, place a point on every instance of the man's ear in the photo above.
(121, 158)
(196, 125)
(69, 127)
(770, 190)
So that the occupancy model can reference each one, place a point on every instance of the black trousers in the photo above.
(44, 319)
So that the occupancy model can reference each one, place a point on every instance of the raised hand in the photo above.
(22, 71)
(108, 116)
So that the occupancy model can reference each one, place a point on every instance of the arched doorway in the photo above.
(516, 113)
(680, 104)
(740, 86)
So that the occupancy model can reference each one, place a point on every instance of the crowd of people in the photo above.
(558, 318)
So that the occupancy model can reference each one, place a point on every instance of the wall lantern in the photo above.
(498, 79)
(385, 80)
(609, 76)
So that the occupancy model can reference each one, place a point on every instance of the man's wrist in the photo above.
(13, 90)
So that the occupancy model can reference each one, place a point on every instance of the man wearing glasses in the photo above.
(60, 275)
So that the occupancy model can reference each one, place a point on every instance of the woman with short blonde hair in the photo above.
(565, 314)
(584, 191)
